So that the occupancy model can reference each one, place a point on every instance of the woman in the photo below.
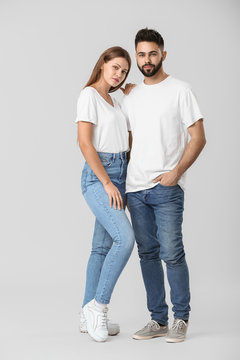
(103, 140)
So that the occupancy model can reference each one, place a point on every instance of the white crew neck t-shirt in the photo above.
(158, 116)
(110, 133)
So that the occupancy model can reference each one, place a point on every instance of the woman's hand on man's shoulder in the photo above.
(128, 88)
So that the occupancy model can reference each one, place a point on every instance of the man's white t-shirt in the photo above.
(110, 133)
(158, 116)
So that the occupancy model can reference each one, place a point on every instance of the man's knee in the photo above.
(146, 254)
(173, 257)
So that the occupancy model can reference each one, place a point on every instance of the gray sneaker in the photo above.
(178, 331)
(151, 330)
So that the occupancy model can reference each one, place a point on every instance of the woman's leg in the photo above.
(117, 225)
(101, 245)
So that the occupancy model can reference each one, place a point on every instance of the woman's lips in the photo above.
(117, 80)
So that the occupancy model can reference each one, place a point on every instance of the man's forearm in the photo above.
(191, 153)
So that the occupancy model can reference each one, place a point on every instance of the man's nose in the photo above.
(147, 59)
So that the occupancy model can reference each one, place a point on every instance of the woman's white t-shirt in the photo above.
(110, 133)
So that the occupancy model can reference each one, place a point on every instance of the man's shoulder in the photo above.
(131, 96)
(180, 84)
(135, 90)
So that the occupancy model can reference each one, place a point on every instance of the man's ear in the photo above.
(164, 55)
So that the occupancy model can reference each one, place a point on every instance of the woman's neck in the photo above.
(102, 87)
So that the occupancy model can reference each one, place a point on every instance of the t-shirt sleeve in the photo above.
(124, 109)
(86, 107)
(189, 109)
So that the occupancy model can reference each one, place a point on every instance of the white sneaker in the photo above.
(96, 320)
(82, 323)
(113, 329)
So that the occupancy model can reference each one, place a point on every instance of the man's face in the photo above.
(149, 58)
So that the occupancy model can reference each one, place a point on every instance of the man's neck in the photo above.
(157, 78)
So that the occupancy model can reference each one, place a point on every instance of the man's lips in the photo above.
(148, 66)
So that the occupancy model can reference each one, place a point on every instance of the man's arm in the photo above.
(130, 146)
(193, 149)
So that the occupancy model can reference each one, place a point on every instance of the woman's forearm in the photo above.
(93, 160)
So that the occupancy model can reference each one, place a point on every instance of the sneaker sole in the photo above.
(174, 340)
(84, 331)
(139, 337)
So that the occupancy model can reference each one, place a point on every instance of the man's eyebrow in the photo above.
(150, 52)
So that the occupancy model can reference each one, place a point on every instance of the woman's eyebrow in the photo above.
(120, 66)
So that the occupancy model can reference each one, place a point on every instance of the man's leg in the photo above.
(168, 210)
(145, 229)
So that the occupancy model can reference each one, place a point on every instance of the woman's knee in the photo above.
(101, 250)
(126, 240)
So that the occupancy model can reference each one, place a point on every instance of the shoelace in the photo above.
(178, 325)
(152, 324)
(104, 318)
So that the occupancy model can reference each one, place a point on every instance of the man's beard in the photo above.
(151, 72)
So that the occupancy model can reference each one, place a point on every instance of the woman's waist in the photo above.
(113, 156)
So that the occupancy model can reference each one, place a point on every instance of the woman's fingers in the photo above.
(114, 202)
(119, 201)
(114, 195)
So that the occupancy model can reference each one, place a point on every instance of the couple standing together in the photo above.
(137, 153)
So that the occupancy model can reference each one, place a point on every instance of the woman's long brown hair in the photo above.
(107, 55)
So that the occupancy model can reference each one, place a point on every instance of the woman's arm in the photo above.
(85, 130)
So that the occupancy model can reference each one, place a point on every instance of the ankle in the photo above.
(99, 305)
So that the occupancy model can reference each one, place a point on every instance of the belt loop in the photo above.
(114, 156)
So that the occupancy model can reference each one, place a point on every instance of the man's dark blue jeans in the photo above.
(157, 216)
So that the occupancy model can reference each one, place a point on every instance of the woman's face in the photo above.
(115, 71)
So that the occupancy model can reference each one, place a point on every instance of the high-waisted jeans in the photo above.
(157, 215)
(113, 237)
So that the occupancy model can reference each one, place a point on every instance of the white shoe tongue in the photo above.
(100, 306)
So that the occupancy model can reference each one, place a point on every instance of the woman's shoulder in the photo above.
(87, 93)
(88, 90)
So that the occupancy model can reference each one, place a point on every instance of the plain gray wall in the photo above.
(48, 49)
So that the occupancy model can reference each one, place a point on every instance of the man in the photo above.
(162, 113)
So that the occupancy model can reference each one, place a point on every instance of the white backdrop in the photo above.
(48, 49)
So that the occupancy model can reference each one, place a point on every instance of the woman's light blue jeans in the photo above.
(113, 237)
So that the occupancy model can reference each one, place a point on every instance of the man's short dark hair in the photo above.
(149, 35)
